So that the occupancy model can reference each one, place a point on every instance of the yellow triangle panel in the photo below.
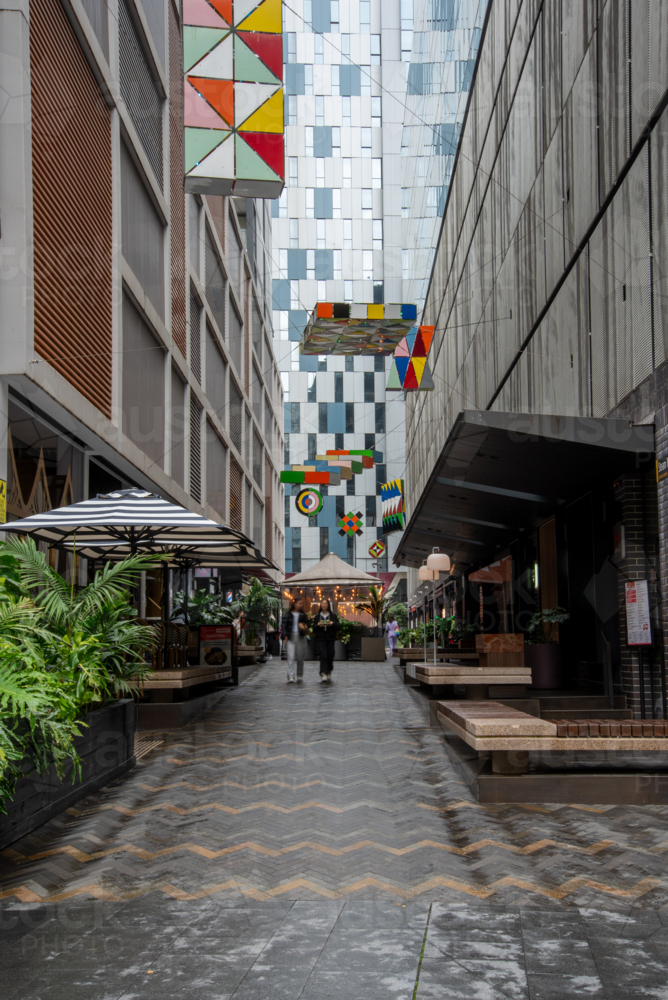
(268, 117)
(418, 368)
(266, 17)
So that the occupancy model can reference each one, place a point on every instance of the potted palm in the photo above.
(258, 607)
(542, 652)
(373, 648)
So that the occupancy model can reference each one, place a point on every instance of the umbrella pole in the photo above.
(165, 592)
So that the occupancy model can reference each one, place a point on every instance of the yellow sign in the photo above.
(3, 501)
(661, 469)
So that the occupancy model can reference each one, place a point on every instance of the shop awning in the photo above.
(502, 473)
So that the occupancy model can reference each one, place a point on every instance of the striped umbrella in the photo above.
(115, 525)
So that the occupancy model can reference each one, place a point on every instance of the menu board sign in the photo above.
(215, 645)
(638, 627)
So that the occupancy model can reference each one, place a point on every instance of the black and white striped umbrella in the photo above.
(115, 525)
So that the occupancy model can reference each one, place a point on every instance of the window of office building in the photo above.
(350, 416)
(338, 387)
(380, 418)
(369, 387)
(370, 510)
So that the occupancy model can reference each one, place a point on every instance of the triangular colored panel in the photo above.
(218, 64)
(269, 146)
(268, 47)
(242, 8)
(410, 382)
(268, 16)
(248, 97)
(224, 8)
(402, 350)
(197, 42)
(250, 165)
(393, 381)
(402, 368)
(198, 143)
(410, 340)
(427, 382)
(219, 163)
(418, 368)
(196, 112)
(201, 13)
(248, 66)
(418, 347)
(219, 94)
(268, 117)
(427, 333)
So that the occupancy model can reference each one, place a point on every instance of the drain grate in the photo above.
(144, 746)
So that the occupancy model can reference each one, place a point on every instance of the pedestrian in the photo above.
(294, 627)
(325, 627)
(392, 628)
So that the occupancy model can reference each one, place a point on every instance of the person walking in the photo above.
(325, 627)
(294, 627)
(392, 630)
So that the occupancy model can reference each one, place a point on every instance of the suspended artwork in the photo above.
(233, 97)
(393, 506)
(376, 549)
(329, 469)
(351, 524)
(308, 502)
(410, 369)
(356, 328)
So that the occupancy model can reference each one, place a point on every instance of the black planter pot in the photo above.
(106, 749)
(354, 648)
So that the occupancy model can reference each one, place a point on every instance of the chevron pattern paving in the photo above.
(313, 792)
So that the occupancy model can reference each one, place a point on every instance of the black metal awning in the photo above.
(502, 473)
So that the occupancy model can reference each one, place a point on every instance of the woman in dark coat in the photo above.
(294, 627)
(325, 628)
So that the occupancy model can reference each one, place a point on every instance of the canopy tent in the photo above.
(115, 525)
(332, 571)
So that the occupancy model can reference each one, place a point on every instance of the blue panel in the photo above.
(287, 419)
(296, 264)
(324, 264)
(446, 138)
(408, 311)
(322, 140)
(275, 214)
(327, 516)
(350, 81)
(421, 78)
(281, 293)
(321, 16)
(296, 323)
(294, 78)
(338, 544)
(288, 545)
(322, 203)
(336, 418)
(308, 362)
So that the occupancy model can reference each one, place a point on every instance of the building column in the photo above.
(632, 566)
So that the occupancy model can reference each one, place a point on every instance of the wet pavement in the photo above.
(314, 841)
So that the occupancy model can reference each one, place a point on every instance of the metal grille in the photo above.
(257, 459)
(142, 232)
(98, 15)
(177, 198)
(195, 450)
(139, 91)
(143, 399)
(256, 323)
(236, 337)
(257, 521)
(72, 208)
(234, 254)
(195, 337)
(177, 419)
(215, 375)
(216, 463)
(256, 394)
(236, 415)
(268, 511)
(236, 485)
(215, 284)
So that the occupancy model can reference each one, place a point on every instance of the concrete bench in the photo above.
(492, 668)
(510, 735)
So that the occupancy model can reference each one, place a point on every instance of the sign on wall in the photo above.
(215, 645)
(638, 625)
(233, 97)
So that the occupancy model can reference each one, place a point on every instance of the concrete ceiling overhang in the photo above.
(500, 474)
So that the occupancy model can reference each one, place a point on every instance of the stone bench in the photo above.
(505, 669)
(510, 735)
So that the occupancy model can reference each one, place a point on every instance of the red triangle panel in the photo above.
(224, 8)
(268, 47)
(410, 382)
(219, 94)
(418, 347)
(268, 145)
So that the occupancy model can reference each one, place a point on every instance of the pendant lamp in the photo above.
(439, 561)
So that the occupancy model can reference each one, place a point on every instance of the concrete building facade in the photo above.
(136, 338)
(337, 236)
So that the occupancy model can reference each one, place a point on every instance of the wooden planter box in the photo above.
(373, 649)
(106, 748)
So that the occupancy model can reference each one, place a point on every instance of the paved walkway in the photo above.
(308, 841)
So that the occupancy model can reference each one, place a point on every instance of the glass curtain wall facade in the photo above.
(337, 237)
(440, 38)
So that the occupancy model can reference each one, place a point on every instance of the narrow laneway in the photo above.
(294, 842)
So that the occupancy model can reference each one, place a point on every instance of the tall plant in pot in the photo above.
(541, 649)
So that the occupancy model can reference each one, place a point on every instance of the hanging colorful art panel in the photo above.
(410, 370)
(357, 328)
(233, 97)
(308, 502)
(351, 524)
(376, 549)
(393, 506)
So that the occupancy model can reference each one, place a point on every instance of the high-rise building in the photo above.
(337, 238)
(135, 321)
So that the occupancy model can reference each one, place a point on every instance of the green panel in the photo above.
(199, 142)
(368, 453)
(197, 42)
(251, 166)
(357, 467)
(292, 477)
(248, 67)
